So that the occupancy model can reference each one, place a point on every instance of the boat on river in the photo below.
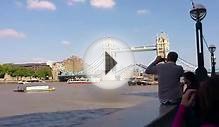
(82, 81)
(34, 88)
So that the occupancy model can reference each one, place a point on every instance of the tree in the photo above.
(2, 71)
(19, 72)
(9, 69)
(43, 72)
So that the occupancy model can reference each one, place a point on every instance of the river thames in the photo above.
(69, 105)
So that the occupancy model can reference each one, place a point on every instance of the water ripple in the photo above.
(55, 119)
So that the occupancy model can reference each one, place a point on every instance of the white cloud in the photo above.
(72, 2)
(40, 5)
(106, 4)
(65, 42)
(143, 12)
(11, 33)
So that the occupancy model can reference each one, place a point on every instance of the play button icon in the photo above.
(108, 63)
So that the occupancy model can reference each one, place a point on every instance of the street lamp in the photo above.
(198, 13)
(212, 49)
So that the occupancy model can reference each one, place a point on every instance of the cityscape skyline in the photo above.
(53, 30)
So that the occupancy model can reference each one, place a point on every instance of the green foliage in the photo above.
(2, 72)
(18, 71)
(43, 72)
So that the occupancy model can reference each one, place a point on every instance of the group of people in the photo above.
(197, 99)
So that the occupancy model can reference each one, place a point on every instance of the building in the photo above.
(73, 64)
(34, 66)
(57, 68)
(67, 67)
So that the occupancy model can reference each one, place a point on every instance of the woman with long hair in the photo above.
(191, 115)
(208, 104)
(190, 80)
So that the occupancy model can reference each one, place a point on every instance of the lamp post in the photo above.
(197, 13)
(212, 49)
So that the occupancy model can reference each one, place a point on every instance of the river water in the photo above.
(69, 105)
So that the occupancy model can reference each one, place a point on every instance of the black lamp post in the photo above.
(212, 49)
(197, 13)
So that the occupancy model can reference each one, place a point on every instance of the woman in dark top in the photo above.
(190, 80)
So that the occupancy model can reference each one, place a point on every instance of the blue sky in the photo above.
(41, 30)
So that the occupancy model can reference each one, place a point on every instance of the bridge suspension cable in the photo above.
(206, 44)
(95, 62)
(94, 69)
(186, 63)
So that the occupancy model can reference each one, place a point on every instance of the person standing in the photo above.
(169, 89)
(191, 114)
(208, 102)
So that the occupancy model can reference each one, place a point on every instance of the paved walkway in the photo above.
(138, 116)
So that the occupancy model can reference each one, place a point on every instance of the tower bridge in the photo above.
(161, 47)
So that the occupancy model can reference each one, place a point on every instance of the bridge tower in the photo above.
(162, 45)
(108, 47)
